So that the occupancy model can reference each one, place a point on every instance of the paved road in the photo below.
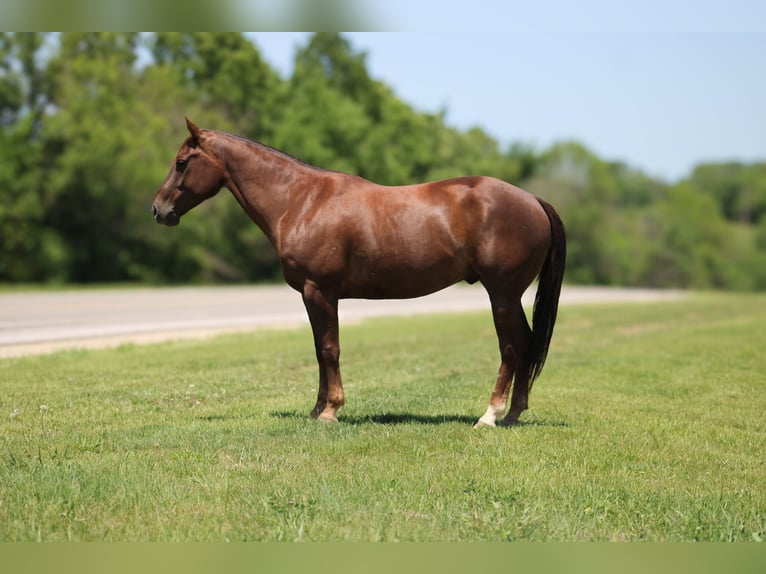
(41, 322)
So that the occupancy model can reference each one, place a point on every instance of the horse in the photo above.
(338, 235)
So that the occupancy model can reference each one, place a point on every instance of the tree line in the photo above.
(89, 123)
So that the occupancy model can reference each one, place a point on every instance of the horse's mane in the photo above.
(268, 149)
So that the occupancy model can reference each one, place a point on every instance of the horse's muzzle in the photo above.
(169, 218)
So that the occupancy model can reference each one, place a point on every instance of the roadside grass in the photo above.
(647, 424)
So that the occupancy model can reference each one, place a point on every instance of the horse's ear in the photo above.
(194, 131)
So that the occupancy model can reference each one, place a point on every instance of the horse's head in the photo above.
(195, 176)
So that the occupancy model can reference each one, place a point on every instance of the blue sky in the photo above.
(658, 90)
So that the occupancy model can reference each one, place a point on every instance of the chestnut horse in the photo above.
(341, 236)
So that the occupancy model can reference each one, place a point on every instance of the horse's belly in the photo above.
(402, 281)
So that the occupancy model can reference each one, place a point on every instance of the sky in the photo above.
(658, 90)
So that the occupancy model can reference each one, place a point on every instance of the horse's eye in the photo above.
(180, 165)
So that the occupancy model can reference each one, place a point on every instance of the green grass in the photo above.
(647, 424)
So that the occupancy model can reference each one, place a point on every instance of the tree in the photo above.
(225, 71)
(690, 232)
(739, 189)
(87, 140)
(29, 249)
(331, 57)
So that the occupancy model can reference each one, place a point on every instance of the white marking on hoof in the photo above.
(488, 418)
(484, 422)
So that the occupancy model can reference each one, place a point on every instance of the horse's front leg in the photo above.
(322, 308)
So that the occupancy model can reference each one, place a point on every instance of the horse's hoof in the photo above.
(328, 418)
(482, 422)
(511, 422)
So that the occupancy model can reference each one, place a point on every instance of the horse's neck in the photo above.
(262, 181)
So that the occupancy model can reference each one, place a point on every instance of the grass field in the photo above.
(648, 423)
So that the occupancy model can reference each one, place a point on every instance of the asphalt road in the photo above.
(41, 322)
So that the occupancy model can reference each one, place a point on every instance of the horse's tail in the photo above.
(548, 291)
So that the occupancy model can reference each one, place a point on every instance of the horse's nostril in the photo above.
(154, 210)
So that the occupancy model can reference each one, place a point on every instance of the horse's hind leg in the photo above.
(513, 335)
(520, 396)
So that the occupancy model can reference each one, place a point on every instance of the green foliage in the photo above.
(90, 121)
(226, 72)
(647, 424)
(739, 190)
(626, 229)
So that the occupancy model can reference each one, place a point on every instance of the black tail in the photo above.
(548, 291)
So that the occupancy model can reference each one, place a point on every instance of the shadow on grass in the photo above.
(411, 418)
(406, 418)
